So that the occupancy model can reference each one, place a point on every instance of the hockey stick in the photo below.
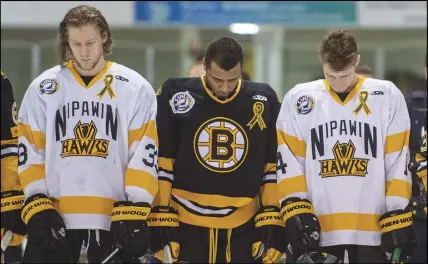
(5, 243)
(111, 256)
(396, 256)
(167, 256)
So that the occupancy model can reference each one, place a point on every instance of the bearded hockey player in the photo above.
(217, 199)
(88, 150)
(342, 161)
(12, 196)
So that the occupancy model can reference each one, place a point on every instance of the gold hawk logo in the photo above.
(258, 109)
(362, 97)
(108, 80)
(221, 145)
(85, 143)
(344, 163)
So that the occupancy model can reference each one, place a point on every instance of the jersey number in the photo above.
(23, 156)
(280, 164)
(152, 156)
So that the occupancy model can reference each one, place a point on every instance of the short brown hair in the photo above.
(80, 16)
(339, 49)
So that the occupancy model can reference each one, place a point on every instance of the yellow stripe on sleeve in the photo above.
(292, 185)
(34, 137)
(141, 179)
(166, 164)
(163, 196)
(270, 167)
(399, 188)
(396, 142)
(269, 194)
(31, 174)
(148, 129)
(298, 147)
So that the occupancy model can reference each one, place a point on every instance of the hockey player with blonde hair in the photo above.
(88, 150)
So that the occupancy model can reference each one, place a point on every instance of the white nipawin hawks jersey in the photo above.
(87, 146)
(348, 158)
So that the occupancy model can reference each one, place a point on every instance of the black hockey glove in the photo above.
(11, 205)
(316, 257)
(163, 222)
(303, 231)
(270, 242)
(129, 229)
(45, 225)
(397, 232)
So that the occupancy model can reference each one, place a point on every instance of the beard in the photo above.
(90, 66)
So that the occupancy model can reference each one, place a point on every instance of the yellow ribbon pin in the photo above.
(363, 96)
(107, 81)
(258, 109)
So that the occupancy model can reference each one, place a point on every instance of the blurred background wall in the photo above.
(162, 39)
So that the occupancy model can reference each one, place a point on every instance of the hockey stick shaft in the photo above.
(167, 256)
(5, 241)
(111, 256)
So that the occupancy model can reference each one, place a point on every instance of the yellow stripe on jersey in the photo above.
(292, 185)
(298, 147)
(212, 199)
(9, 174)
(163, 196)
(399, 188)
(166, 164)
(34, 137)
(77, 77)
(141, 179)
(239, 217)
(84, 205)
(349, 221)
(396, 142)
(148, 130)
(269, 194)
(31, 174)
(349, 97)
(9, 141)
(270, 167)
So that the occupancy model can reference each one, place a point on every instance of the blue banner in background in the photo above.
(223, 13)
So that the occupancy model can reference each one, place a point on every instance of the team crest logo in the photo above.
(48, 86)
(85, 143)
(344, 163)
(220, 145)
(181, 102)
(305, 104)
(14, 113)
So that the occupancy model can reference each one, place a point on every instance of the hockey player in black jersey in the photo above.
(217, 199)
(12, 196)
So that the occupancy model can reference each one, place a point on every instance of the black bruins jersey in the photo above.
(9, 137)
(218, 155)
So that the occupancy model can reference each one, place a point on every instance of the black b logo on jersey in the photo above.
(220, 145)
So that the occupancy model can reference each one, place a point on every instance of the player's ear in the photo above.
(205, 66)
(358, 61)
(104, 36)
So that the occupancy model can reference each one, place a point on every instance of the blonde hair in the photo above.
(80, 16)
